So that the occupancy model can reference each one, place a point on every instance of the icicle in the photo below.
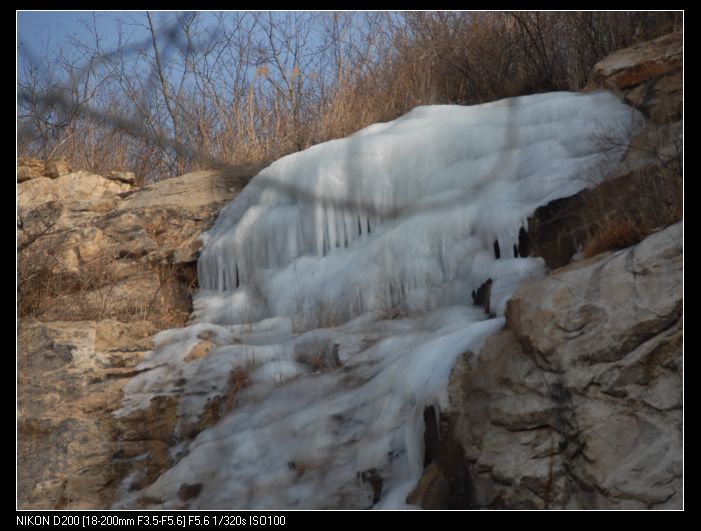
(319, 229)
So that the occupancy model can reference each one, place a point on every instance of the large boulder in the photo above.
(194, 190)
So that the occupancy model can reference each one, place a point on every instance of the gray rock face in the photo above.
(578, 402)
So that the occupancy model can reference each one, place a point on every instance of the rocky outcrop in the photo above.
(645, 190)
(78, 186)
(203, 189)
(95, 248)
(578, 402)
(56, 168)
(29, 168)
(648, 75)
(102, 266)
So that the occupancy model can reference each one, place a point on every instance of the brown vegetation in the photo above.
(238, 381)
(627, 209)
(243, 87)
(81, 273)
(613, 235)
(652, 202)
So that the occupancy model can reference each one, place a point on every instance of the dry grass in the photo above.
(632, 223)
(54, 282)
(82, 273)
(238, 380)
(88, 292)
(624, 211)
(328, 315)
(613, 235)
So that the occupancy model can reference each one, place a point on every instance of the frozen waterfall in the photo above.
(339, 280)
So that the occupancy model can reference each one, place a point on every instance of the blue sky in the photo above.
(35, 27)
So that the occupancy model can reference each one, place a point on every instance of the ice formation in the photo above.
(340, 281)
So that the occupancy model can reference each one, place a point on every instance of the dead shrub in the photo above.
(626, 210)
(621, 215)
(46, 286)
(613, 235)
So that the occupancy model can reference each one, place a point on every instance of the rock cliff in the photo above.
(102, 266)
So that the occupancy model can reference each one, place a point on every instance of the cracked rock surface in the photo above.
(103, 266)
(577, 403)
